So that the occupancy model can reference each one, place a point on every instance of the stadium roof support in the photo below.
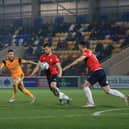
(64, 8)
(35, 8)
(92, 10)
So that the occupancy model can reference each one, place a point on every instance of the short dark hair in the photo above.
(85, 44)
(82, 43)
(46, 45)
(10, 50)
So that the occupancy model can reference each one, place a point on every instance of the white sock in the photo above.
(89, 95)
(66, 97)
(57, 89)
(116, 93)
(63, 96)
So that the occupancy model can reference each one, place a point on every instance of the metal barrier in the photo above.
(66, 81)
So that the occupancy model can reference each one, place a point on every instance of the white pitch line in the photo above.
(75, 115)
(41, 117)
(98, 113)
(27, 117)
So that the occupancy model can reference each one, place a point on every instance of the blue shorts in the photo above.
(53, 78)
(98, 76)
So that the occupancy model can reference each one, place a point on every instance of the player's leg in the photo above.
(53, 84)
(54, 88)
(92, 79)
(52, 81)
(116, 93)
(56, 91)
(26, 91)
(15, 89)
(13, 97)
(88, 94)
(104, 84)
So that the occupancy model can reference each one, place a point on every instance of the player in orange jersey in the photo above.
(13, 64)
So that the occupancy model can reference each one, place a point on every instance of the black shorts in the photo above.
(53, 78)
(98, 76)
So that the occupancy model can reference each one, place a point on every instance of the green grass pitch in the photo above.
(46, 113)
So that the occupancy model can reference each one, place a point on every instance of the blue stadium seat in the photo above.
(125, 16)
(18, 22)
(81, 19)
(103, 17)
(59, 19)
(38, 21)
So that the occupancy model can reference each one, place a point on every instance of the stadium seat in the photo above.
(125, 16)
(18, 22)
(81, 19)
(103, 17)
(38, 21)
(59, 19)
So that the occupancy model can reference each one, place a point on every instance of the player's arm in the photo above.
(78, 60)
(87, 71)
(59, 69)
(36, 69)
(30, 62)
(2, 65)
(22, 61)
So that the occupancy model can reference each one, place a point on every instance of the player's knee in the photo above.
(53, 85)
(14, 86)
(86, 84)
(21, 88)
(106, 91)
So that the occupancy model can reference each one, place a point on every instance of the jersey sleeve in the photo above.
(40, 59)
(57, 59)
(87, 53)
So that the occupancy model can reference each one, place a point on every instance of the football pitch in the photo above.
(47, 113)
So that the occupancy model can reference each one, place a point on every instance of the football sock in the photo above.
(116, 93)
(66, 97)
(63, 96)
(89, 95)
(60, 94)
(14, 91)
(27, 92)
(14, 94)
(55, 91)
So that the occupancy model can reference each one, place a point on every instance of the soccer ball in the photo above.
(44, 66)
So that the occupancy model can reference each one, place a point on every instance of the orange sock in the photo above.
(14, 95)
(14, 91)
(27, 92)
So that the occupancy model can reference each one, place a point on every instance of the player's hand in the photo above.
(60, 76)
(30, 76)
(65, 68)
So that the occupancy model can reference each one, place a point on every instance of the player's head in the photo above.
(47, 48)
(82, 45)
(10, 54)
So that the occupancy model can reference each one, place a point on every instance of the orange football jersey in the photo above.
(14, 67)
